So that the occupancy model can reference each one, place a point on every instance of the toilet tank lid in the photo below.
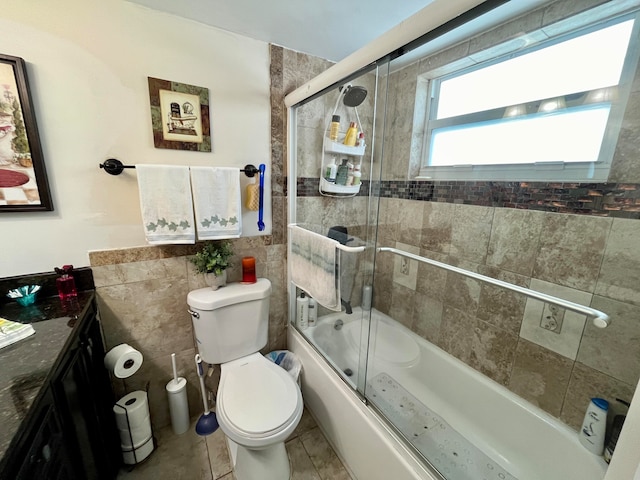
(208, 299)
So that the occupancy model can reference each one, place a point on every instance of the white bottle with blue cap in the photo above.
(594, 426)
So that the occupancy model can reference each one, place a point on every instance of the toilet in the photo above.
(258, 404)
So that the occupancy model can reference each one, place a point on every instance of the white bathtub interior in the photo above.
(465, 424)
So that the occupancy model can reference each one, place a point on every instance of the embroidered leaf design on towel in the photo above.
(173, 226)
(207, 222)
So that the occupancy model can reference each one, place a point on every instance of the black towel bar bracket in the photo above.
(114, 166)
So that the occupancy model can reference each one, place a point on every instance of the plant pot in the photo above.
(216, 281)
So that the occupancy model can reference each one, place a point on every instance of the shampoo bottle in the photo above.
(302, 311)
(331, 171)
(343, 172)
(335, 128)
(594, 426)
(352, 135)
(313, 312)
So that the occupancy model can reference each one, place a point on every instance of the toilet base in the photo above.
(271, 463)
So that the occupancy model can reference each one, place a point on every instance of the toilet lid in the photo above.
(259, 397)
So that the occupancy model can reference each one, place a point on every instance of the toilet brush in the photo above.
(207, 423)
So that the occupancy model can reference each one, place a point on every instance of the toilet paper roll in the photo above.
(138, 454)
(134, 406)
(123, 360)
(135, 437)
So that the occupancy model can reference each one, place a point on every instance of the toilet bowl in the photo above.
(258, 403)
(258, 406)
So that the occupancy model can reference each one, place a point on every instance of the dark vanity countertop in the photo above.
(27, 365)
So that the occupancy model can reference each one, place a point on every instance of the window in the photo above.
(549, 112)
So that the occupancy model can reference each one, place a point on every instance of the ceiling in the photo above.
(330, 29)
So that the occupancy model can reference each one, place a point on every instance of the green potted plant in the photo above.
(212, 261)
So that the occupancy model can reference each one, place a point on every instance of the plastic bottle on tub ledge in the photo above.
(594, 426)
(313, 312)
(302, 311)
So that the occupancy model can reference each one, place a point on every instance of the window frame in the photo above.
(597, 171)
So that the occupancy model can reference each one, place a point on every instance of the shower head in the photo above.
(354, 95)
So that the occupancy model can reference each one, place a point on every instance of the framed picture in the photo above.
(179, 115)
(23, 178)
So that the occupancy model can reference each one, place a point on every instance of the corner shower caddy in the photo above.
(337, 150)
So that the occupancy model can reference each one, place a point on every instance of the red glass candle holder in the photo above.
(249, 270)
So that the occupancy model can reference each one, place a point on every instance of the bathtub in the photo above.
(468, 425)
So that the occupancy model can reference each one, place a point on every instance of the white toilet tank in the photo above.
(230, 322)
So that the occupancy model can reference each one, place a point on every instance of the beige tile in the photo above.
(457, 333)
(587, 383)
(405, 270)
(470, 233)
(301, 465)
(436, 227)
(410, 222)
(536, 313)
(620, 273)
(427, 317)
(540, 376)
(571, 250)
(625, 167)
(176, 456)
(462, 292)
(431, 280)
(402, 305)
(218, 454)
(150, 315)
(324, 459)
(493, 351)
(122, 273)
(514, 240)
(499, 306)
(614, 350)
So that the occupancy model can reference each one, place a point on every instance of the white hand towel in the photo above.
(217, 202)
(165, 202)
(315, 266)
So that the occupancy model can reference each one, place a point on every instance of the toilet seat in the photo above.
(257, 400)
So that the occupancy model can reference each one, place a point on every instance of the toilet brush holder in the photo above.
(178, 405)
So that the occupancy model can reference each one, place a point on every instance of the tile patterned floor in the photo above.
(189, 456)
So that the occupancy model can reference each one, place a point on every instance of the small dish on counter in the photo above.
(26, 295)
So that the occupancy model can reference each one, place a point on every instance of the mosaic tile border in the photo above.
(597, 199)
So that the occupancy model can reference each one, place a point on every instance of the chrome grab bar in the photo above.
(600, 319)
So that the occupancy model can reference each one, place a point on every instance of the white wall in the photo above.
(88, 63)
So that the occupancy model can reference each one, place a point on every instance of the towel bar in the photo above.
(350, 249)
(113, 166)
(600, 319)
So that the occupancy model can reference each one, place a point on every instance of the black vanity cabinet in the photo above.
(84, 398)
(69, 432)
(46, 455)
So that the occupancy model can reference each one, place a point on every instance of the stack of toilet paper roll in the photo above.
(132, 410)
(134, 426)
